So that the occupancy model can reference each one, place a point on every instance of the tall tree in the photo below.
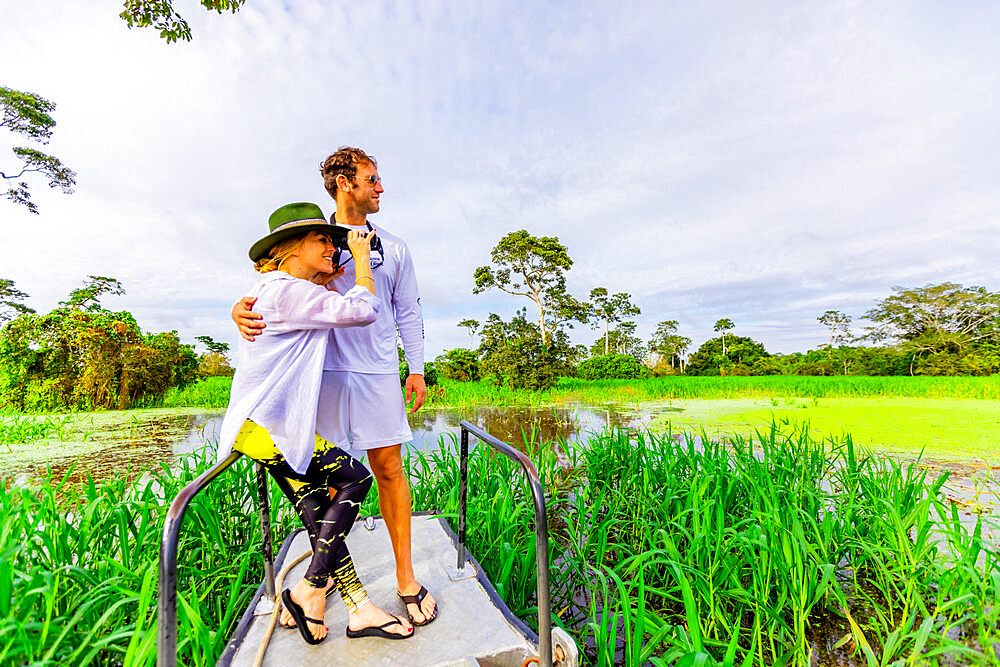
(473, 327)
(724, 325)
(11, 301)
(610, 309)
(535, 267)
(839, 325)
(936, 318)
(668, 344)
(160, 15)
(28, 114)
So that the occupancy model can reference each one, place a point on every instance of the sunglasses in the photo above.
(372, 180)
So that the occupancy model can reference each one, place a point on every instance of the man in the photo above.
(360, 398)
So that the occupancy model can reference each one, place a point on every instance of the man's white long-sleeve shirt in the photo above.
(372, 349)
(278, 376)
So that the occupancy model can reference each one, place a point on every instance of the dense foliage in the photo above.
(611, 367)
(512, 354)
(734, 355)
(81, 355)
(459, 364)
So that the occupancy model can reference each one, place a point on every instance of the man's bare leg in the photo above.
(395, 504)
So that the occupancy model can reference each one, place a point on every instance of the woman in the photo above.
(272, 409)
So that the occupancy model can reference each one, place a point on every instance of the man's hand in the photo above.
(250, 323)
(415, 387)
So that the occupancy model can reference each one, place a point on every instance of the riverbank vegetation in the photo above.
(213, 392)
(662, 549)
(944, 329)
(82, 356)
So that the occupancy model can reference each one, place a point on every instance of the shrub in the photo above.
(612, 367)
(458, 364)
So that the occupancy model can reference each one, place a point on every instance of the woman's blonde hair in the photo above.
(282, 250)
(279, 254)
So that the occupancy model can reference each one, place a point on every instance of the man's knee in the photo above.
(387, 464)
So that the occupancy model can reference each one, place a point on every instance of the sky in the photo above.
(762, 162)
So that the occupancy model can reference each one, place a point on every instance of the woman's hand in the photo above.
(360, 246)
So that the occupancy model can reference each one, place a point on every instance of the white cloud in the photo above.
(762, 163)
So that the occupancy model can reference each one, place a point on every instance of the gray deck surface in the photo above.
(468, 624)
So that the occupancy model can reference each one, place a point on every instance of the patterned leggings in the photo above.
(327, 521)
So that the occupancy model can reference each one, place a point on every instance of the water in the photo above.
(114, 443)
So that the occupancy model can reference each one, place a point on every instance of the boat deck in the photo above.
(473, 626)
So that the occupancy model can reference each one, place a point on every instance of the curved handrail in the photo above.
(166, 640)
(541, 528)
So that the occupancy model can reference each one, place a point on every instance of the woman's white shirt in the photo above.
(278, 375)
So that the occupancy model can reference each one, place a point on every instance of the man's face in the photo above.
(366, 189)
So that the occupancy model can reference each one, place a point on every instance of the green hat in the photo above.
(291, 220)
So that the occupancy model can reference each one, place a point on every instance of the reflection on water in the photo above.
(115, 443)
(520, 427)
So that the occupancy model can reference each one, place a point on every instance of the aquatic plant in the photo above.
(758, 551)
(745, 553)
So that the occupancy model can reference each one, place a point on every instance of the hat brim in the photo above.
(260, 249)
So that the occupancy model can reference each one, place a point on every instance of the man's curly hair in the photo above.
(345, 161)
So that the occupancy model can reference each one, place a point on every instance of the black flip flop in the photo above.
(300, 618)
(378, 631)
(330, 591)
(417, 599)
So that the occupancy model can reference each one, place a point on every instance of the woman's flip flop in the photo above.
(417, 599)
(330, 591)
(300, 618)
(379, 631)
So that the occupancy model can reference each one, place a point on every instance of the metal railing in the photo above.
(541, 529)
(166, 640)
(167, 603)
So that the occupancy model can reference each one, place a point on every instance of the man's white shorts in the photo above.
(362, 410)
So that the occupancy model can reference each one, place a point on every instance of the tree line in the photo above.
(80, 355)
(944, 329)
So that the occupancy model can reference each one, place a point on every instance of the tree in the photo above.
(945, 318)
(745, 357)
(81, 355)
(213, 346)
(458, 364)
(160, 15)
(611, 309)
(11, 299)
(27, 114)
(724, 325)
(87, 298)
(473, 326)
(668, 344)
(512, 354)
(839, 324)
(535, 267)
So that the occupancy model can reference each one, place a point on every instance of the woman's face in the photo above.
(316, 252)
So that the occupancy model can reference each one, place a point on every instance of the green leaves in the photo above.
(28, 114)
(534, 267)
(160, 15)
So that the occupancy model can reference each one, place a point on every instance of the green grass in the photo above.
(573, 390)
(210, 392)
(19, 429)
(662, 550)
(667, 551)
(943, 428)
